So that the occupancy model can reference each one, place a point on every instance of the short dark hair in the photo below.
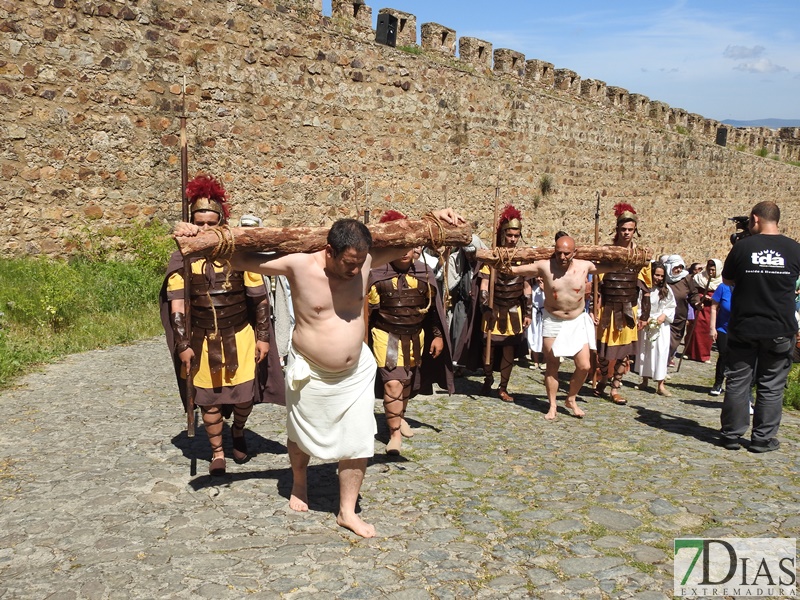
(767, 211)
(560, 234)
(349, 233)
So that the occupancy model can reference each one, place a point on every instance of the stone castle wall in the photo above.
(306, 119)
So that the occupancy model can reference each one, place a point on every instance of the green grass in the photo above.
(546, 184)
(50, 308)
(791, 397)
(411, 49)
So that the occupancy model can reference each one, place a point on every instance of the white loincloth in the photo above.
(330, 416)
(571, 334)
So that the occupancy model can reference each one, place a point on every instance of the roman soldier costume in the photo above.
(617, 331)
(503, 322)
(406, 313)
(230, 313)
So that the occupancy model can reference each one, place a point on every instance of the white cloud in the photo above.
(760, 66)
(743, 52)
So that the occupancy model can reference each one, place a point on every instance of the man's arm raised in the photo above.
(255, 262)
(259, 262)
(530, 270)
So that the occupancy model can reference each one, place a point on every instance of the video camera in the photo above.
(742, 229)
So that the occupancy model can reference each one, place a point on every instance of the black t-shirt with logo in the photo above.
(764, 269)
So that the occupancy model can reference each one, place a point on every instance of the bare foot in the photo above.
(573, 406)
(551, 414)
(299, 499)
(356, 525)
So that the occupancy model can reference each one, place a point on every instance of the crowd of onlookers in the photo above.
(690, 313)
(685, 313)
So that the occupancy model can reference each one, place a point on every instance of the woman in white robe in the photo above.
(654, 340)
(534, 332)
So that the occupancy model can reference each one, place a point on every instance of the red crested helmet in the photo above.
(206, 193)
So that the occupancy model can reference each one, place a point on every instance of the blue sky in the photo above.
(721, 59)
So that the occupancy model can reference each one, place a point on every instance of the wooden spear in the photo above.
(596, 295)
(187, 263)
(487, 357)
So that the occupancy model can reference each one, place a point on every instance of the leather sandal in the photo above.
(617, 399)
(393, 447)
(504, 395)
(217, 467)
(240, 455)
(405, 429)
(486, 390)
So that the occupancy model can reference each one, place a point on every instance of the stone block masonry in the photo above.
(305, 119)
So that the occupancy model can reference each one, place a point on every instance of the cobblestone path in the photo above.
(489, 500)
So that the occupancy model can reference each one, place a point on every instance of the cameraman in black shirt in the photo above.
(762, 270)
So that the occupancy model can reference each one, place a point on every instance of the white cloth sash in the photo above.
(571, 335)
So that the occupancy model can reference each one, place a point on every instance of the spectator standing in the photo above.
(460, 271)
(681, 285)
(533, 334)
(653, 349)
(698, 345)
(763, 269)
(718, 325)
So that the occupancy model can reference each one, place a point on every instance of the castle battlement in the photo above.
(306, 118)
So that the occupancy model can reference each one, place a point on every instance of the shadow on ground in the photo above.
(674, 424)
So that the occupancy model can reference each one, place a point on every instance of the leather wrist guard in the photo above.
(262, 321)
(179, 333)
(527, 304)
(484, 299)
(436, 331)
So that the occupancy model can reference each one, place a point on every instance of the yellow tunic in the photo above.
(509, 329)
(611, 336)
(380, 338)
(245, 341)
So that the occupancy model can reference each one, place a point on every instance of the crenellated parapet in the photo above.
(438, 38)
(567, 81)
(696, 123)
(659, 112)
(406, 26)
(480, 56)
(354, 12)
(594, 90)
(710, 128)
(639, 105)
(509, 62)
(477, 53)
(304, 10)
(540, 73)
(619, 97)
(678, 117)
